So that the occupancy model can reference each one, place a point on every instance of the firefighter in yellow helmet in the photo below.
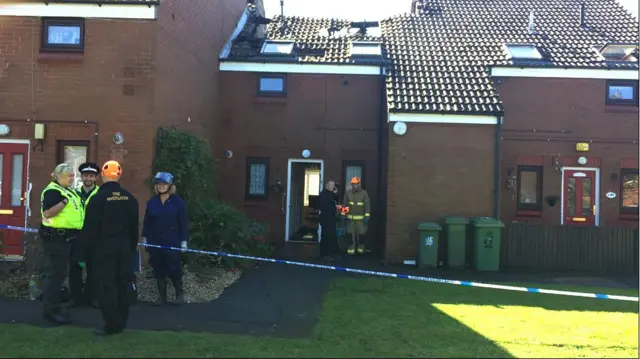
(358, 214)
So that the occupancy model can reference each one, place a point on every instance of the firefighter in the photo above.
(111, 231)
(82, 292)
(165, 224)
(358, 213)
(62, 220)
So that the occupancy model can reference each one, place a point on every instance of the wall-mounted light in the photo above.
(38, 134)
(4, 130)
(306, 153)
(228, 153)
(555, 162)
(582, 160)
(118, 138)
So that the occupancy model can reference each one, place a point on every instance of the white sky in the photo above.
(362, 9)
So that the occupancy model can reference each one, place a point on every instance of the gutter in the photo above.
(496, 168)
(380, 201)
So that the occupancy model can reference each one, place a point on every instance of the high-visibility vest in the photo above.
(86, 201)
(71, 216)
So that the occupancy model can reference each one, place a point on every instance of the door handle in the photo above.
(594, 209)
(282, 205)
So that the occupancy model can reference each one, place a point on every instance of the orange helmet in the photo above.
(111, 169)
(355, 180)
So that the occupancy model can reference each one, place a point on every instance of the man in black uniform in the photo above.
(327, 205)
(81, 292)
(111, 229)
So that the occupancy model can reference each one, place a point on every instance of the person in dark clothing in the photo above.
(111, 232)
(81, 291)
(166, 224)
(327, 205)
(62, 220)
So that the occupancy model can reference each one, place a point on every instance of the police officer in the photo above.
(62, 219)
(81, 292)
(165, 224)
(111, 230)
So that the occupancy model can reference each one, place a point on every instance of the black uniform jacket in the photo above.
(111, 220)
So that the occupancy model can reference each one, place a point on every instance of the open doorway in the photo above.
(305, 184)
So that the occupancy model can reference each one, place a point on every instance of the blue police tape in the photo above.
(375, 273)
(403, 276)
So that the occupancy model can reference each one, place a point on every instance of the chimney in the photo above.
(414, 6)
(531, 24)
(583, 15)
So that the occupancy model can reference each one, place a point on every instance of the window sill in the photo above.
(621, 109)
(521, 213)
(629, 217)
(58, 56)
(270, 99)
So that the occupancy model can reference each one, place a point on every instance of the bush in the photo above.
(213, 225)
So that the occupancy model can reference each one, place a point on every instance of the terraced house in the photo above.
(520, 110)
(93, 80)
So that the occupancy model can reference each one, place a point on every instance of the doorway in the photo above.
(305, 178)
(580, 196)
(14, 197)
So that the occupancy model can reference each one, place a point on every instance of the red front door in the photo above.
(13, 187)
(580, 197)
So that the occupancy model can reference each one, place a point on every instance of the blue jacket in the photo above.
(167, 224)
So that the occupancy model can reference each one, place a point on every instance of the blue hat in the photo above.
(163, 177)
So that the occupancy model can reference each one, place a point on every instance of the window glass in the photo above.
(571, 197)
(271, 84)
(529, 187)
(630, 190)
(64, 35)
(16, 180)
(621, 92)
(75, 156)
(257, 179)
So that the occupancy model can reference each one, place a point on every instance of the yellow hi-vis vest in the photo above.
(86, 201)
(71, 216)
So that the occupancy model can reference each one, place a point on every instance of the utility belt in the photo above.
(57, 234)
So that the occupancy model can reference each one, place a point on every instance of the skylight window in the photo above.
(366, 49)
(523, 52)
(277, 47)
(619, 52)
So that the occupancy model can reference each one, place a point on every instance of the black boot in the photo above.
(179, 286)
(55, 316)
(162, 290)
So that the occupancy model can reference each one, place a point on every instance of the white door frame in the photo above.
(289, 168)
(28, 186)
(596, 195)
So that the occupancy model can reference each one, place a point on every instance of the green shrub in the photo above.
(213, 225)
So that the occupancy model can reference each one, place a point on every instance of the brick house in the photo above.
(93, 80)
(524, 111)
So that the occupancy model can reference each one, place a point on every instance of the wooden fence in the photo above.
(567, 248)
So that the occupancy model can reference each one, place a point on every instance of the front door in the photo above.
(13, 185)
(579, 207)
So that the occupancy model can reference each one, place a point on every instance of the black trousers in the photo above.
(329, 240)
(81, 291)
(165, 263)
(113, 284)
(57, 252)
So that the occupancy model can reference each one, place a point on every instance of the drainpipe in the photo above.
(496, 169)
(380, 203)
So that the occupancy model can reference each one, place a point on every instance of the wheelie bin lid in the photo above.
(487, 222)
(429, 226)
(456, 220)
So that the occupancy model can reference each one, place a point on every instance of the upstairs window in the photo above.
(62, 35)
(271, 85)
(278, 48)
(523, 52)
(629, 191)
(530, 188)
(368, 49)
(619, 52)
(621, 92)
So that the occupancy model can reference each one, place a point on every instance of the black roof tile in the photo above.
(439, 60)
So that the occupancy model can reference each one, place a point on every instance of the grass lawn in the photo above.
(379, 317)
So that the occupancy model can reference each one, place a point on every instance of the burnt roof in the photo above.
(439, 59)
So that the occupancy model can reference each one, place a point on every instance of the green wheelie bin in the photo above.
(456, 235)
(486, 244)
(428, 236)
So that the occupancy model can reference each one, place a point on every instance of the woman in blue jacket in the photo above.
(165, 224)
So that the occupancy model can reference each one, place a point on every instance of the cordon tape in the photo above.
(375, 273)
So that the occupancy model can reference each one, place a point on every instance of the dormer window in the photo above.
(369, 49)
(619, 52)
(275, 47)
(523, 52)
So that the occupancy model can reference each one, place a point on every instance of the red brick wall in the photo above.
(546, 118)
(334, 116)
(436, 170)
